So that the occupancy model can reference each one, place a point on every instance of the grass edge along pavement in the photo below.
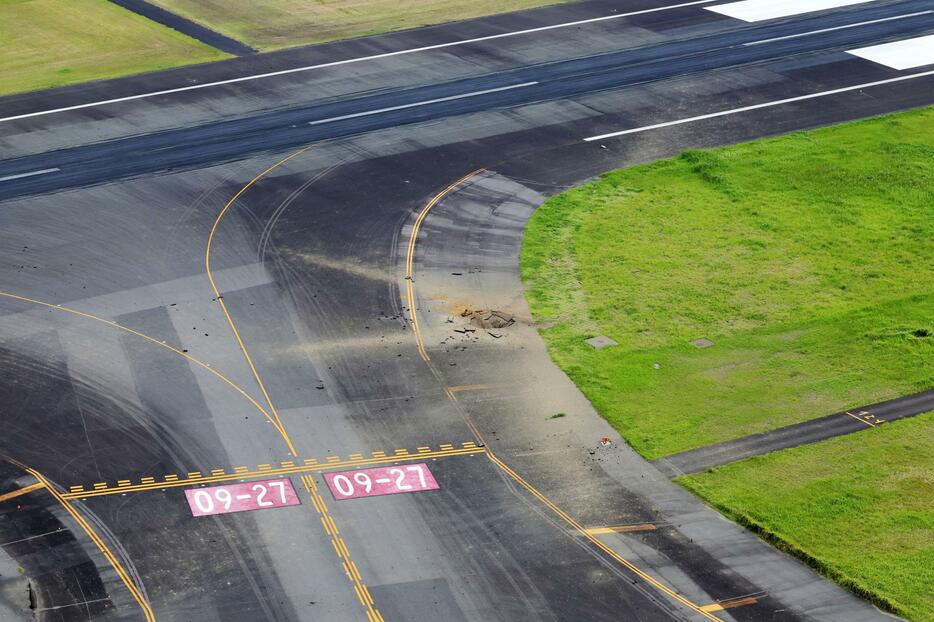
(868, 228)
(802, 257)
(51, 43)
(830, 504)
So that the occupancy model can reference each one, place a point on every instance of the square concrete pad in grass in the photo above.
(599, 342)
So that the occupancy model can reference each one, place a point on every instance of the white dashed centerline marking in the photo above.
(421, 103)
(30, 174)
(770, 104)
(817, 32)
(361, 59)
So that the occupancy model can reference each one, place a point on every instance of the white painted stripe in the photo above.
(421, 103)
(817, 32)
(770, 104)
(361, 59)
(906, 54)
(31, 174)
(760, 10)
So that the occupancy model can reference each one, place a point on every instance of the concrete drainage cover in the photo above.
(702, 343)
(599, 342)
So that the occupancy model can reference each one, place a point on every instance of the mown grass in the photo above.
(807, 259)
(272, 24)
(859, 508)
(46, 43)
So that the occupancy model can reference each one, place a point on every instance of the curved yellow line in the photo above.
(274, 418)
(104, 549)
(416, 331)
(136, 333)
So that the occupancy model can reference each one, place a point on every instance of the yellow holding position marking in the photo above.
(102, 489)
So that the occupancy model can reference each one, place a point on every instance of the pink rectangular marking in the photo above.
(259, 495)
(380, 481)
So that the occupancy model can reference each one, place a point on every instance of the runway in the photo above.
(268, 278)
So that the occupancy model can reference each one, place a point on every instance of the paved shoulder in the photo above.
(846, 422)
(186, 26)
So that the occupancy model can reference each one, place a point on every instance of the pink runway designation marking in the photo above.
(270, 493)
(380, 481)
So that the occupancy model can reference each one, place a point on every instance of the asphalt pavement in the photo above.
(213, 277)
(811, 431)
(186, 26)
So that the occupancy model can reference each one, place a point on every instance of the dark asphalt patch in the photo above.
(186, 27)
(838, 424)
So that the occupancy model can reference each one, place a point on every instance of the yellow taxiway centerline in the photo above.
(451, 395)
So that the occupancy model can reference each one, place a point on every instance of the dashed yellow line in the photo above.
(21, 491)
(451, 393)
(102, 489)
(372, 614)
(340, 548)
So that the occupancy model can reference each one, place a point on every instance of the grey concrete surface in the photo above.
(308, 263)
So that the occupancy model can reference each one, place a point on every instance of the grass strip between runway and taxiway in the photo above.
(48, 43)
(858, 508)
(805, 259)
(274, 24)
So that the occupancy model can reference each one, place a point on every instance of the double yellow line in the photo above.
(98, 542)
(416, 331)
(320, 505)
(343, 553)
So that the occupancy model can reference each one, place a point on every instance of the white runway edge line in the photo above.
(30, 174)
(770, 104)
(761, 10)
(904, 54)
(361, 59)
(822, 30)
(421, 103)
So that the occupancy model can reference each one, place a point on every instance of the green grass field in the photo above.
(46, 43)
(807, 259)
(272, 24)
(860, 508)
